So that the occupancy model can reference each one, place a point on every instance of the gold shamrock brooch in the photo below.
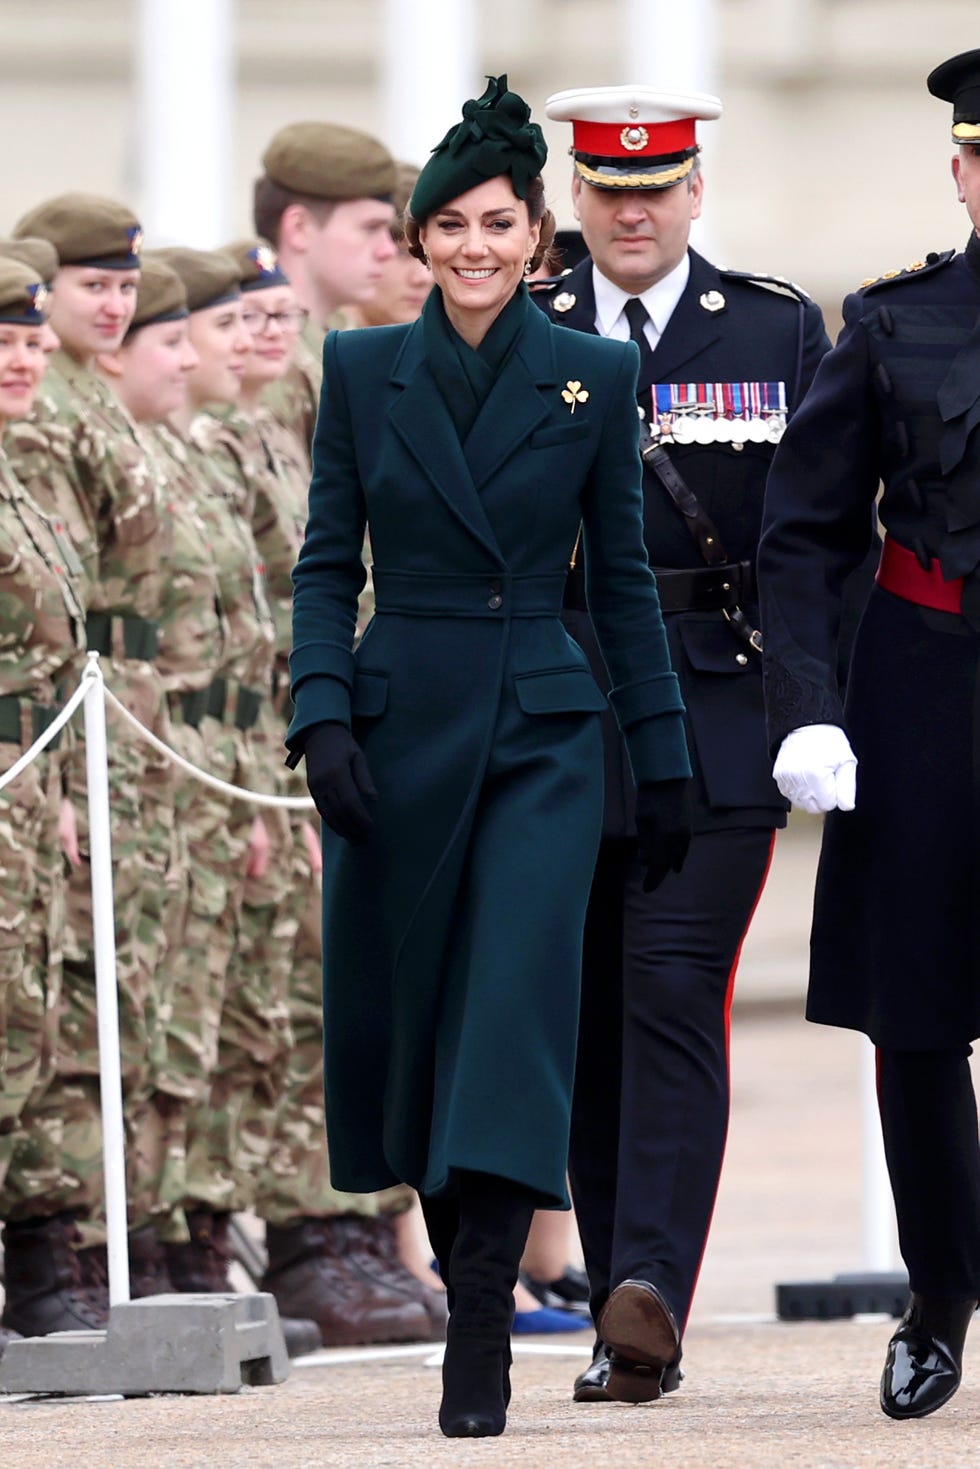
(574, 393)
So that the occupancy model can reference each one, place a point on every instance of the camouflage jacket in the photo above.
(194, 632)
(80, 442)
(42, 614)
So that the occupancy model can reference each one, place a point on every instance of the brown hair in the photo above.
(538, 213)
(270, 202)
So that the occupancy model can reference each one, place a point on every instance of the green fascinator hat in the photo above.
(496, 136)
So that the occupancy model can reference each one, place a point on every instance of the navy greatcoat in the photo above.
(452, 938)
(894, 947)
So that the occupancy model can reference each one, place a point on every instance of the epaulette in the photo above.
(933, 261)
(547, 282)
(778, 284)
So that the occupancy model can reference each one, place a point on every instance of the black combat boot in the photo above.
(45, 1286)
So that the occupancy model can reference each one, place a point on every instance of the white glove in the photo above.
(816, 769)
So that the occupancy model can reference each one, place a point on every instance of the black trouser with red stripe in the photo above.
(651, 1102)
(929, 1125)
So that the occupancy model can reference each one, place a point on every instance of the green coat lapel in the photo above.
(515, 406)
(422, 422)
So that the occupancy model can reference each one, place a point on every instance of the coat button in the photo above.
(741, 659)
(495, 601)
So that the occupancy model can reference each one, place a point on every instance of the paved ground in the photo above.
(758, 1392)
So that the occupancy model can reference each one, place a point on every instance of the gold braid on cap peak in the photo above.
(635, 180)
(966, 132)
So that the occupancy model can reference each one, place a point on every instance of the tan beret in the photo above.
(160, 295)
(22, 294)
(330, 162)
(257, 262)
(39, 254)
(86, 230)
(209, 276)
(404, 184)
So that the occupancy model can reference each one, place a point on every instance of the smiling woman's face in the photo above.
(478, 246)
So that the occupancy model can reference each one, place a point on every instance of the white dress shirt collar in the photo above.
(660, 301)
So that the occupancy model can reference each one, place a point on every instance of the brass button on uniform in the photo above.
(741, 659)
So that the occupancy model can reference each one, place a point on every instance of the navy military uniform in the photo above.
(896, 937)
(652, 1086)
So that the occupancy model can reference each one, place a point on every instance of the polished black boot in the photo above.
(494, 1219)
(925, 1356)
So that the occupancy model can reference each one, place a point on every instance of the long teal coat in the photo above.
(452, 938)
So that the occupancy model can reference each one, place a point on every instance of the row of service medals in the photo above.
(718, 413)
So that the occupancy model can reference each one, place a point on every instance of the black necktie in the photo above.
(636, 315)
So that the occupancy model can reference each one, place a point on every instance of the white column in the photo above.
(185, 67)
(671, 46)
(675, 48)
(429, 70)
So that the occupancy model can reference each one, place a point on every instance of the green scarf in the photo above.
(465, 376)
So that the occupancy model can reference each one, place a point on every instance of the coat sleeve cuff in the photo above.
(316, 700)
(320, 659)
(646, 698)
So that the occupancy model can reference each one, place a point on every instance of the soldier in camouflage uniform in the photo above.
(80, 456)
(217, 635)
(42, 618)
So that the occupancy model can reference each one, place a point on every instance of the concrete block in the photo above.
(859, 1293)
(160, 1344)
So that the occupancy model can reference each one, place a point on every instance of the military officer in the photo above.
(725, 357)
(894, 949)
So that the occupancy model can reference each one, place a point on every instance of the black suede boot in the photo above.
(494, 1219)
(441, 1215)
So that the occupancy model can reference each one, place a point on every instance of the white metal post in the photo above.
(186, 70)
(430, 69)
(107, 1001)
(877, 1213)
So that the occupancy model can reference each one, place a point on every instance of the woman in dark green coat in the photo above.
(456, 755)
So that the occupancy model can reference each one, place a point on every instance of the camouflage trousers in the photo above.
(68, 1108)
(195, 961)
(229, 1144)
(295, 1182)
(31, 925)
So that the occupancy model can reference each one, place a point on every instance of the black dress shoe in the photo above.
(925, 1356)
(592, 1385)
(643, 1341)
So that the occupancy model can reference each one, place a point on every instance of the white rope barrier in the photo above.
(288, 803)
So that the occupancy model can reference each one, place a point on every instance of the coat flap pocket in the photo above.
(713, 647)
(559, 433)
(369, 694)
(559, 691)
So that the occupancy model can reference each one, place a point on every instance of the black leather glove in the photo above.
(337, 775)
(663, 828)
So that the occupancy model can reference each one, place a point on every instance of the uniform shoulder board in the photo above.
(548, 282)
(933, 261)
(778, 284)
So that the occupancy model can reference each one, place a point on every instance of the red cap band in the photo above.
(605, 139)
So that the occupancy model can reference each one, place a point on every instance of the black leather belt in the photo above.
(228, 699)
(12, 712)
(139, 635)
(695, 589)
